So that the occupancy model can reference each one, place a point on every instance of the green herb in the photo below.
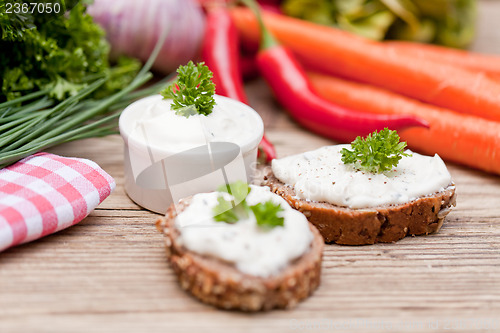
(59, 53)
(12, 25)
(225, 211)
(231, 211)
(239, 190)
(266, 214)
(193, 91)
(38, 118)
(379, 152)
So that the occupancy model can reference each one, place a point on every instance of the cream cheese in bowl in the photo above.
(168, 156)
(252, 250)
(321, 176)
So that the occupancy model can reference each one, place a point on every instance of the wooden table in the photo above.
(109, 273)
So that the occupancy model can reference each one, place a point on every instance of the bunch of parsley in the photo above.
(57, 84)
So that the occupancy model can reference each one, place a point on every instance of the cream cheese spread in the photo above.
(321, 176)
(252, 250)
(153, 123)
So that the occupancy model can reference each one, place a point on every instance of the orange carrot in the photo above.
(336, 52)
(487, 63)
(459, 138)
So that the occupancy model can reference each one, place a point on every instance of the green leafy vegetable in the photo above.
(59, 53)
(379, 152)
(13, 24)
(239, 190)
(225, 211)
(193, 91)
(57, 85)
(266, 214)
(446, 22)
(231, 211)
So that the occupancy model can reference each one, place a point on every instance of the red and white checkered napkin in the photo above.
(45, 193)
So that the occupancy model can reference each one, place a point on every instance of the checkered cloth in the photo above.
(45, 193)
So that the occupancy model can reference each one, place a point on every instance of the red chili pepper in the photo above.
(220, 53)
(292, 88)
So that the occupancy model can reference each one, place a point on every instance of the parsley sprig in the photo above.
(230, 211)
(266, 214)
(193, 90)
(379, 152)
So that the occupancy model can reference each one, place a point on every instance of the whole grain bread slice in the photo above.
(342, 225)
(219, 283)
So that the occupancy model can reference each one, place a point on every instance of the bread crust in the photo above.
(218, 283)
(385, 224)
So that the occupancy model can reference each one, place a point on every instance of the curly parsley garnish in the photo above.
(193, 90)
(379, 152)
(230, 211)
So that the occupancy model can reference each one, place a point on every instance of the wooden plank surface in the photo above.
(109, 273)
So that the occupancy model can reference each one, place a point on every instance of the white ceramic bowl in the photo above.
(157, 175)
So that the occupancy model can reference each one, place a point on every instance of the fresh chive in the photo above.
(24, 98)
(14, 123)
(38, 128)
(31, 148)
(16, 113)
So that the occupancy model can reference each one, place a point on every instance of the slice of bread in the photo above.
(219, 283)
(346, 226)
